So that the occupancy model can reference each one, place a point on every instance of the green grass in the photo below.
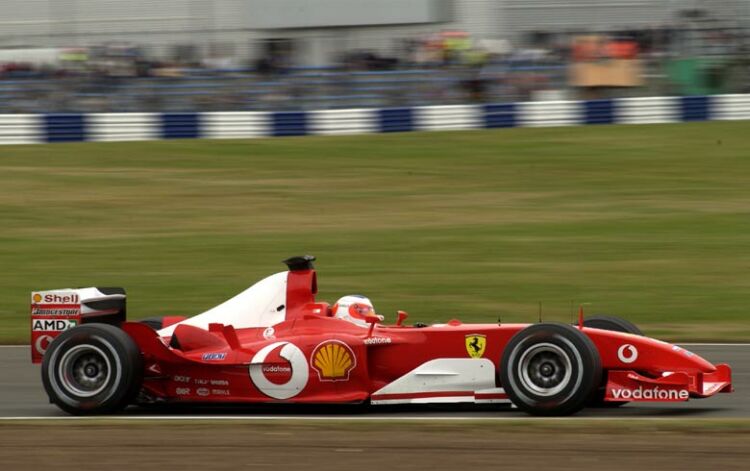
(649, 222)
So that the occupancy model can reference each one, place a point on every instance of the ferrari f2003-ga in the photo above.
(274, 342)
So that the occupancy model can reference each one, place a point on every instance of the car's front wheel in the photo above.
(92, 369)
(550, 369)
(614, 324)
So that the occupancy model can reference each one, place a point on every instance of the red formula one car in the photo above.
(275, 343)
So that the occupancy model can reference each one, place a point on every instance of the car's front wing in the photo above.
(630, 386)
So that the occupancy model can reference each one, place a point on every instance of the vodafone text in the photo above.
(654, 394)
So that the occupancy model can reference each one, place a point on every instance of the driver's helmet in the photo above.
(354, 308)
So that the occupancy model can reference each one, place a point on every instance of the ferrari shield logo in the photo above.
(475, 344)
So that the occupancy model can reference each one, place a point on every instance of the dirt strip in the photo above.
(363, 446)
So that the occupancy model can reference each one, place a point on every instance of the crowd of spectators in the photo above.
(446, 67)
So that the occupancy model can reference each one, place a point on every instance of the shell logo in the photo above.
(333, 360)
(37, 298)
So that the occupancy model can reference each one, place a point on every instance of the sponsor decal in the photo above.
(213, 356)
(276, 369)
(475, 345)
(55, 298)
(200, 381)
(279, 370)
(627, 353)
(42, 343)
(377, 340)
(269, 333)
(181, 379)
(219, 382)
(52, 325)
(56, 311)
(333, 360)
(55, 304)
(202, 392)
(182, 391)
(655, 393)
(220, 392)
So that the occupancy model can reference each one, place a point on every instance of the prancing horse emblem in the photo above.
(475, 344)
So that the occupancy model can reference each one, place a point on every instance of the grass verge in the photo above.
(647, 222)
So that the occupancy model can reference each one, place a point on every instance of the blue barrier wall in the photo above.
(289, 124)
(500, 116)
(180, 126)
(695, 108)
(395, 120)
(29, 128)
(65, 127)
(599, 112)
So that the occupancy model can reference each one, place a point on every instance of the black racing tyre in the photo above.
(550, 369)
(156, 323)
(615, 324)
(92, 369)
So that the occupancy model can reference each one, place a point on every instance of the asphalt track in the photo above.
(22, 396)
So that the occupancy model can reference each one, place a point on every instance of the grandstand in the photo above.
(190, 55)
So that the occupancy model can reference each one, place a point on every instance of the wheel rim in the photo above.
(84, 370)
(545, 369)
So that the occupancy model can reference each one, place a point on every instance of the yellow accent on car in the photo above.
(475, 345)
(333, 361)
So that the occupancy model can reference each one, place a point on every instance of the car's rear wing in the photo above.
(55, 311)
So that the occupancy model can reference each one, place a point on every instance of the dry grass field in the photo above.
(648, 222)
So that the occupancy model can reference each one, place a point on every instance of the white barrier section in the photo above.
(333, 122)
(235, 124)
(21, 128)
(122, 126)
(646, 110)
(550, 113)
(36, 128)
(444, 118)
(728, 107)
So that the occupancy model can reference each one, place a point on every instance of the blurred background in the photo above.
(190, 55)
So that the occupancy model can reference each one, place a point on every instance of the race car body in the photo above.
(275, 343)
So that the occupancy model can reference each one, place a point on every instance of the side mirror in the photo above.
(402, 315)
(372, 320)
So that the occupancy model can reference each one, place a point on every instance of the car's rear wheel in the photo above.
(550, 369)
(156, 323)
(614, 324)
(92, 369)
